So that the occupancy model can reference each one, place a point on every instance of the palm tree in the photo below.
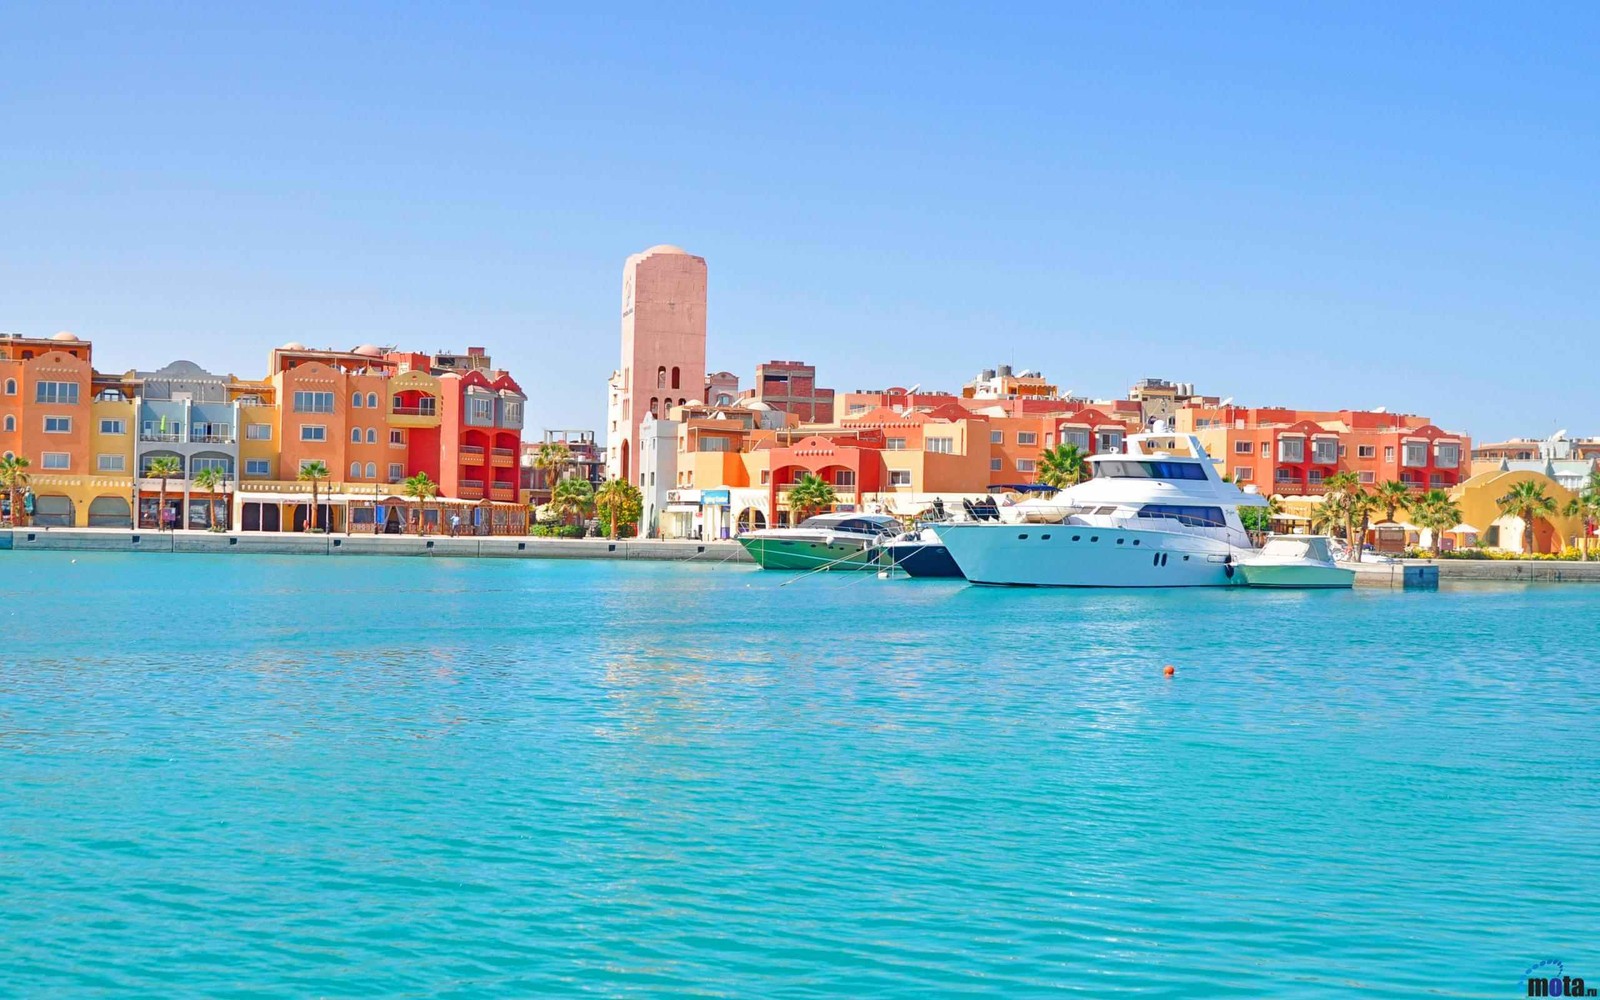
(1328, 518)
(212, 480)
(573, 498)
(620, 502)
(1062, 466)
(1529, 501)
(313, 472)
(1340, 493)
(1393, 494)
(421, 489)
(1438, 513)
(163, 468)
(810, 495)
(1363, 505)
(14, 479)
(1586, 505)
(553, 457)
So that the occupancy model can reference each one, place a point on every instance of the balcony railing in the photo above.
(502, 492)
(211, 438)
(416, 411)
(471, 455)
(471, 489)
(170, 437)
(504, 458)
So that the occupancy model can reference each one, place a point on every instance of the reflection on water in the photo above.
(379, 776)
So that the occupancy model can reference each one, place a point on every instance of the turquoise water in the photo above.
(341, 777)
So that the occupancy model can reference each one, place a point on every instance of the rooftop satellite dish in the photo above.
(913, 390)
(1380, 409)
(1226, 402)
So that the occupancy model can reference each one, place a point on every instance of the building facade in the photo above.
(791, 386)
(371, 417)
(1287, 452)
(663, 348)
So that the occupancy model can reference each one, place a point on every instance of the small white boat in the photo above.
(1295, 561)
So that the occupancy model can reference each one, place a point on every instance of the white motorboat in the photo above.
(1157, 515)
(1295, 561)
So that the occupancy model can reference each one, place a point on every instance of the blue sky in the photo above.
(1354, 206)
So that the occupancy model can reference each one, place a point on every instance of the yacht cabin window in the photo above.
(1199, 517)
(1149, 470)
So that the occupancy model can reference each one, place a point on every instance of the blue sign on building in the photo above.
(715, 498)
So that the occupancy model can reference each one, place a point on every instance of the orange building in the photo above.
(372, 417)
(1287, 451)
(50, 417)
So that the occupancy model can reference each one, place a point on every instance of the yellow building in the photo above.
(1479, 500)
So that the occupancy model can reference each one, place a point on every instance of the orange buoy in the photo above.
(1168, 670)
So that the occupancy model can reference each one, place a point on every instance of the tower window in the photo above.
(675, 384)
(661, 377)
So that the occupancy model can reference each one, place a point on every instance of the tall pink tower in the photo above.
(663, 348)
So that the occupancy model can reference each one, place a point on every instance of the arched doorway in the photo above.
(110, 512)
(52, 511)
(751, 519)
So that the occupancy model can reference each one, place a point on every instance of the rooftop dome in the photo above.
(65, 336)
(293, 345)
(758, 405)
(369, 351)
(666, 248)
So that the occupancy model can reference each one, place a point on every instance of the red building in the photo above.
(1288, 451)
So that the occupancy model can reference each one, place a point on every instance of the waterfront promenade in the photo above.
(1397, 575)
(239, 542)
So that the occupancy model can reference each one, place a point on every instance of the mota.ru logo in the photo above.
(1549, 979)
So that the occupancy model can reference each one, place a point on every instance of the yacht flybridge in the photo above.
(1157, 515)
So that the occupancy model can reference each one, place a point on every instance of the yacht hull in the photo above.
(921, 559)
(1067, 555)
(804, 554)
(1290, 576)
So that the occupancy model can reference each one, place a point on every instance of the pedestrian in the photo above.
(168, 516)
(455, 524)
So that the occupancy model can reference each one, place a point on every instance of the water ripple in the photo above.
(376, 777)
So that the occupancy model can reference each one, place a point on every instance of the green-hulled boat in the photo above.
(827, 541)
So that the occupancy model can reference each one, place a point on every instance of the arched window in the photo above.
(661, 377)
(11, 422)
(655, 406)
(355, 470)
(355, 435)
(372, 400)
(675, 384)
(682, 401)
(372, 435)
(372, 470)
(11, 387)
(355, 399)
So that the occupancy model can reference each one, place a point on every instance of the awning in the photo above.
(1463, 529)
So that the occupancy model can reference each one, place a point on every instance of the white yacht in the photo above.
(1158, 515)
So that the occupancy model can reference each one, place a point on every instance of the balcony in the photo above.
(414, 416)
(503, 458)
(211, 438)
(471, 489)
(165, 437)
(500, 491)
(471, 454)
